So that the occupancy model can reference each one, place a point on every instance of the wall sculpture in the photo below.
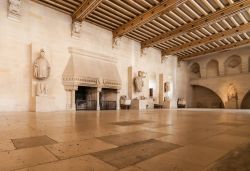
(14, 9)
(139, 83)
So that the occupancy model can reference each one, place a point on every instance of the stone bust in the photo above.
(41, 67)
(139, 83)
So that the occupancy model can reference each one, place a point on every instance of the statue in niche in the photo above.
(41, 67)
(139, 83)
(41, 89)
(232, 92)
(15, 6)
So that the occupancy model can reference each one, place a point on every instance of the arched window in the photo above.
(212, 68)
(233, 65)
(195, 71)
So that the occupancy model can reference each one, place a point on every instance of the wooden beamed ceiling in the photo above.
(184, 28)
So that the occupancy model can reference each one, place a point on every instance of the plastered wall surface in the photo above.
(45, 27)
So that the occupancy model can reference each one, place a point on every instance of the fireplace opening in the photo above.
(108, 99)
(85, 98)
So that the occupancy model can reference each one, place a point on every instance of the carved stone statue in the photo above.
(14, 9)
(76, 29)
(41, 89)
(232, 92)
(139, 83)
(166, 87)
(41, 67)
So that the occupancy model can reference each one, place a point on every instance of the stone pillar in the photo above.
(98, 98)
(203, 70)
(118, 100)
(221, 68)
(161, 88)
(73, 99)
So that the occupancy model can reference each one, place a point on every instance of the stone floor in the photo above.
(154, 140)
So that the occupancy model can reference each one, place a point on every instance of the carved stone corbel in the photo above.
(14, 10)
(164, 58)
(76, 29)
(116, 42)
(143, 51)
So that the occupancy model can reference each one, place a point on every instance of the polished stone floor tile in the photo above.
(236, 160)
(234, 124)
(83, 163)
(224, 141)
(22, 158)
(130, 138)
(129, 123)
(131, 168)
(32, 141)
(125, 156)
(6, 145)
(165, 162)
(199, 155)
(78, 148)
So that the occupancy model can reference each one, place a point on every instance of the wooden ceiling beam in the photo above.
(217, 49)
(85, 9)
(208, 39)
(165, 6)
(197, 24)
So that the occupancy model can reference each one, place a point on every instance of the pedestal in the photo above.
(231, 104)
(44, 104)
(139, 104)
(165, 104)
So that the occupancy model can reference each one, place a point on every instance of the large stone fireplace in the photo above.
(91, 81)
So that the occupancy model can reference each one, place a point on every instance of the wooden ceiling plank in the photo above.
(151, 14)
(220, 4)
(104, 11)
(234, 21)
(167, 23)
(209, 5)
(218, 15)
(178, 17)
(53, 7)
(85, 9)
(106, 7)
(172, 20)
(184, 14)
(227, 24)
(209, 39)
(199, 7)
(58, 5)
(218, 49)
(242, 18)
(191, 11)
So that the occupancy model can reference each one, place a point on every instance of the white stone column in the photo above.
(98, 98)
(73, 100)
(68, 96)
(118, 100)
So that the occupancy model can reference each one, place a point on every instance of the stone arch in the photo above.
(245, 104)
(212, 68)
(204, 97)
(195, 72)
(233, 65)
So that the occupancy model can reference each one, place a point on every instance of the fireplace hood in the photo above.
(84, 71)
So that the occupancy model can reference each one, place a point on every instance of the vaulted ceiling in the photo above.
(184, 28)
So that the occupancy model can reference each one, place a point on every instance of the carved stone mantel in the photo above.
(14, 10)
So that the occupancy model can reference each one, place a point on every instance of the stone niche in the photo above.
(41, 99)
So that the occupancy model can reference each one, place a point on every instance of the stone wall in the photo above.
(218, 71)
(50, 29)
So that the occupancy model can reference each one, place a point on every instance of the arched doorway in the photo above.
(246, 101)
(205, 98)
(212, 69)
